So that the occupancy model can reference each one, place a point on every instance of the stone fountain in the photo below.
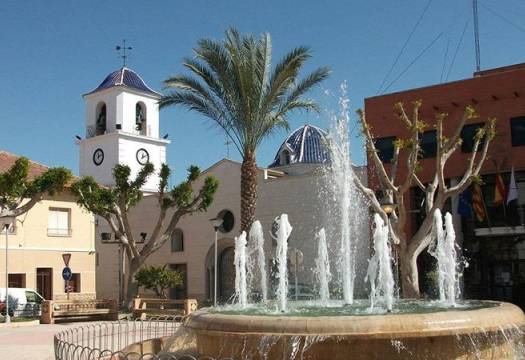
(335, 325)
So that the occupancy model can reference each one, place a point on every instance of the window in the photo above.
(428, 144)
(73, 285)
(228, 221)
(181, 291)
(385, 148)
(517, 130)
(32, 297)
(17, 280)
(100, 124)
(468, 134)
(177, 241)
(59, 222)
(105, 236)
(140, 118)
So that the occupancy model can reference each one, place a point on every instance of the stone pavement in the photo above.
(32, 342)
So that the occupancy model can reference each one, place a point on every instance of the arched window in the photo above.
(140, 118)
(228, 221)
(100, 124)
(285, 157)
(177, 241)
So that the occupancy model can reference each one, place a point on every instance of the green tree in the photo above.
(232, 83)
(114, 205)
(19, 193)
(158, 279)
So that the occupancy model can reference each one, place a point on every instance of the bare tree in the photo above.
(114, 204)
(436, 192)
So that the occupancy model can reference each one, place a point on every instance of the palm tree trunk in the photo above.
(248, 190)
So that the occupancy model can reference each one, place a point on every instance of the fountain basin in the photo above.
(492, 331)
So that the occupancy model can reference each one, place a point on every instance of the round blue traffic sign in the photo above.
(67, 274)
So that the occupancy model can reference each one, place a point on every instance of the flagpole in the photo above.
(485, 207)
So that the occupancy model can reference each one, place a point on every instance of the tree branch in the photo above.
(383, 176)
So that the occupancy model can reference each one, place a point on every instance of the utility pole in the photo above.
(476, 33)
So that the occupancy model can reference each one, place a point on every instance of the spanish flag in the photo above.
(499, 190)
(477, 203)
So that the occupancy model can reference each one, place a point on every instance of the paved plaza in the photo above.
(31, 342)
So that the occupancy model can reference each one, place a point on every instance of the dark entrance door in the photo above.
(226, 274)
(44, 282)
(180, 292)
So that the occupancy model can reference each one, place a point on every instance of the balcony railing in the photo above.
(91, 131)
(59, 232)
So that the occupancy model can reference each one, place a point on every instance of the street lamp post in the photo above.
(216, 223)
(6, 219)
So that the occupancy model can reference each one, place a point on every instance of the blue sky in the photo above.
(51, 52)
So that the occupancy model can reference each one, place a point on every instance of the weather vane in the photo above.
(123, 51)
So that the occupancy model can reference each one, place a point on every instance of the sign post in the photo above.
(67, 274)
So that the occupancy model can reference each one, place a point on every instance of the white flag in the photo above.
(513, 189)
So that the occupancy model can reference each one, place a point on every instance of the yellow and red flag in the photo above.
(499, 190)
(477, 203)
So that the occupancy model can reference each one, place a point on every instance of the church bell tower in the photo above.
(122, 127)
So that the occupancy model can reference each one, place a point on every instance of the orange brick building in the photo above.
(495, 246)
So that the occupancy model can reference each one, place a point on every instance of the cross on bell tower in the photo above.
(123, 51)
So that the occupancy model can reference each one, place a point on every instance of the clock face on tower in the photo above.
(142, 156)
(98, 156)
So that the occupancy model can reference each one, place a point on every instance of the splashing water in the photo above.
(443, 248)
(344, 196)
(257, 273)
(241, 292)
(322, 269)
(283, 232)
(380, 267)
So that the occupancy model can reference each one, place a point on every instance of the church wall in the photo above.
(198, 236)
(301, 198)
(295, 195)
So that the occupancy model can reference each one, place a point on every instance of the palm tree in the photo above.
(233, 84)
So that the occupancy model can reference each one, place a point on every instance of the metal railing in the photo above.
(109, 340)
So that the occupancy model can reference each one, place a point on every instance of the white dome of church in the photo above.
(306, 145)
(125, 77)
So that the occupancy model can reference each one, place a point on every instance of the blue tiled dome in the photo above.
(125, 77)
(306, 145)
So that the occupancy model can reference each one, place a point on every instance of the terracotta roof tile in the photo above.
(7, 160)
(36, 169)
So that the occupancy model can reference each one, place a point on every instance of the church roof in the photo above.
(307, 145)
(125, 77)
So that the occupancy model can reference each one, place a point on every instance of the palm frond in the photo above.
(232, 83)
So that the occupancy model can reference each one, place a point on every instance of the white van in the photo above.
(22, 302)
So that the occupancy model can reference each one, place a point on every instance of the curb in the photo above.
(20, 324)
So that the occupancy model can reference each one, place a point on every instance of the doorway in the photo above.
(44, 282)
(226, 274)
